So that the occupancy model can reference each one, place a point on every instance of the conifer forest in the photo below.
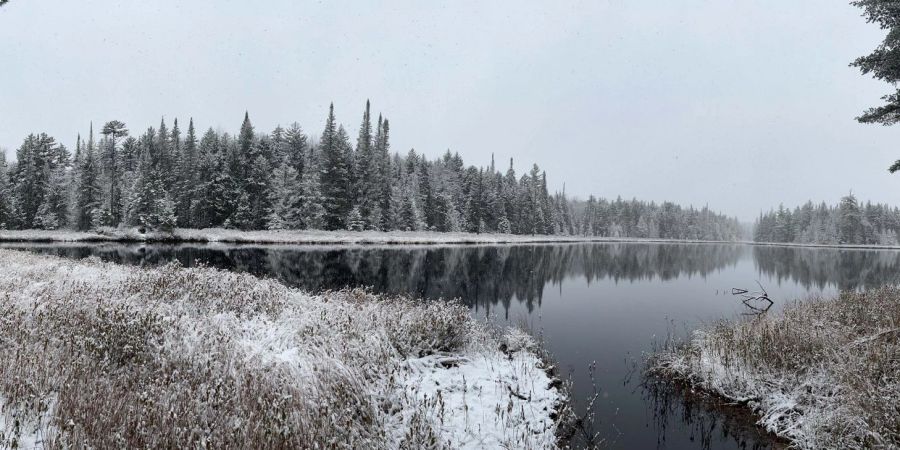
(168, 177)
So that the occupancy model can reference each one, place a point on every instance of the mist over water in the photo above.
(599, 307)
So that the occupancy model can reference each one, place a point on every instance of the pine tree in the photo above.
(285, 199)
(6, 205)
(214, 199)
(311, 214)
(113, 131)
(245, 140)
(335, 173)
(503, 225)
(162, 155)
(355, 220)
(297, 147)
(88, 191)
(849, 221)
(510, 197)
(242, 218)
(385, 187)
(426, 197)
(54, 210)
(187, 177)
(367, 172)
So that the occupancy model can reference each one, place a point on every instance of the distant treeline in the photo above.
(162, 179)
(847, 223)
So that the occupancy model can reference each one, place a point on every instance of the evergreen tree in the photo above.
(88, 193)
(385, 186)
(187, 177)
(367, 172)
(278, 181)
(849, 221)
(297, 147)
(311, 214)
(285, 201)
(7, 217)
(54, 210)
(113, 131)
(426, 197)
(335, 173)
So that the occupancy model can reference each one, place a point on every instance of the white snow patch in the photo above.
(486, 400)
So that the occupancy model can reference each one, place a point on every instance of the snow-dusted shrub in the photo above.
(98, 355)
(417, 332)
(824, 373)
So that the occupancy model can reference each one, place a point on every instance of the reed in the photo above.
(823, 373)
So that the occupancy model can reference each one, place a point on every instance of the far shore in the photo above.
(305, 237)
(344, 237)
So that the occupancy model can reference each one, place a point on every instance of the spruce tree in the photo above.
(367, 172)
(88, 192)
(335, 174)
(113, 131)
(54, 210)
(311, 214)
(6, 204)
(297, 147)
(385, 185)
(187, 178)
(285, 200)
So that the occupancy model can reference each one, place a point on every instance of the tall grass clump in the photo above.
(823, 373)
(104, 356)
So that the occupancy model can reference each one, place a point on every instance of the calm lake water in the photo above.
(600, 306)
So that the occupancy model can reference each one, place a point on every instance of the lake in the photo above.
(599, 307)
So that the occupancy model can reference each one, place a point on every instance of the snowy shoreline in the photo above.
(110, 355)
(320, 237)
(822, 373)
(304, 237)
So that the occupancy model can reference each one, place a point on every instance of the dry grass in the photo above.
(824, 373)
(105, 356)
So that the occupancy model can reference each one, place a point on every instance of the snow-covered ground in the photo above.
(114, 356)
(825, 373)
(298, 237)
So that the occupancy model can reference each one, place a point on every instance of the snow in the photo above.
(822, 373)
(20, 431)
(487, 401)
(301, 237)
(379, 364)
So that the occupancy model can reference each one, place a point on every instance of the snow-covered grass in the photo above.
(298, 237)
(100, 355)
(824, 373)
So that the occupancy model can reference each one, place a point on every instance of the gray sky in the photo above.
(741, 105)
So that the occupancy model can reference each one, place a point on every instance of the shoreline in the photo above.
(89, 345)
(314, 237)
(820, 374)
(360, 238)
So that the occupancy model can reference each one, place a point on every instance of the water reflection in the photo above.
(482, 276)
(708, 421)
(820, 268)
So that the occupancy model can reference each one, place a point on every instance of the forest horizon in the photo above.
(288, 179)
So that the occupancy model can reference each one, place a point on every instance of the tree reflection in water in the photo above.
(483, 277)
(846, 269)
(709, 421)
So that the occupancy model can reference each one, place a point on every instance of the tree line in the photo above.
(165, 178)
(847, 223)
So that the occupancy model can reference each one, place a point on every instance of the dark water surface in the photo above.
(599, 306)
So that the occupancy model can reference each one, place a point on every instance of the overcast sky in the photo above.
(739, 105)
